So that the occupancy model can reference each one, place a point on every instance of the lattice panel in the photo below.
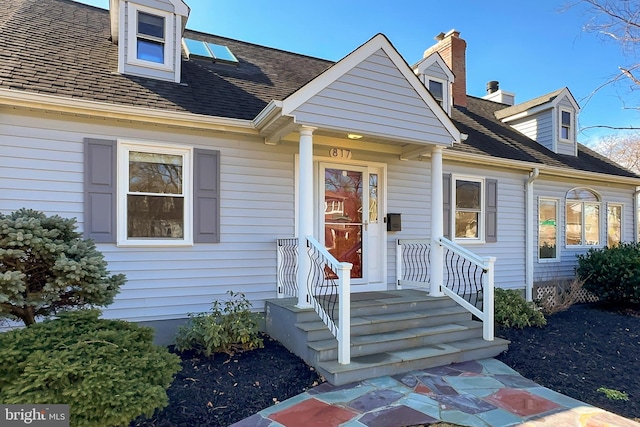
(549, 294)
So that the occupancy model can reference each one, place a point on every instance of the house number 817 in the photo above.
(340, 153)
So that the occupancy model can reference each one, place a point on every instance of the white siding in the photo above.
(374, 98)
(565, 266)
(436, 72)
(509, 249)
(538, 127)
(41, 168)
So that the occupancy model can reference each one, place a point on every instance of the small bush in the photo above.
(513, 311)
(228, 327)
(612, 274)
(108, 371)
(560, 295)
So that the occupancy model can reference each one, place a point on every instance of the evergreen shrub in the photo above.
(108, 371)
(612, 273)
(46, 267)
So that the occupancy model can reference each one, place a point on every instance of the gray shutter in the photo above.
(206, 207)
(446, 205)
(491, 216)
(100, 190)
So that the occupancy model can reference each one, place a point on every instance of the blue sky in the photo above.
(530, 47)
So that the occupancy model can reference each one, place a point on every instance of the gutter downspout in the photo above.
(529, 233)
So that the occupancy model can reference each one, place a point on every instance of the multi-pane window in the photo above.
(150, 37)
(468, 209)
(583, 218)
(547, 229)
(614, 225)
(155, 197)
(565, 125)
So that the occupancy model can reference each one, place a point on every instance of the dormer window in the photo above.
(566, 130)
(437, 90)
(151, 39)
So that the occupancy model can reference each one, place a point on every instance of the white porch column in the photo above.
(305, 212)
(437, 223)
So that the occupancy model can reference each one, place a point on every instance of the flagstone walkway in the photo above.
(484, 393)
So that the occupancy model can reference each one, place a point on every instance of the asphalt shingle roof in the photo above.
(63, 48)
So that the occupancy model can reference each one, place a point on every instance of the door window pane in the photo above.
(373, 198)
(343, 201)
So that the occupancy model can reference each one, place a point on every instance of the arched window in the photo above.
(583, 217)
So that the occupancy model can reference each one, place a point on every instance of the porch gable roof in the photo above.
(372, 91)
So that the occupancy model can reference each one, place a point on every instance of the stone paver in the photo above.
(476, 394)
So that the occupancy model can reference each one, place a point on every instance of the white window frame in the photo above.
(132, 37)
(483, 209)
(621, 206)
(446, 101)
(558, 234)
(601, 221)
(124, 147)
(571, 131)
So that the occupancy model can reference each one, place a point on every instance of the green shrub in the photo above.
(513, 311)
(228, 327)
(612, 274)
(46, 266)
(108, 371)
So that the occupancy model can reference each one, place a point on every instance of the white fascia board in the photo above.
(44, 102)
(268, 113)
(350, 61)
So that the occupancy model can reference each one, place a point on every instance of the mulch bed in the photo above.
(579, 351)
(223, 389)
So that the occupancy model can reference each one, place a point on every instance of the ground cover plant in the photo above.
(579, 351)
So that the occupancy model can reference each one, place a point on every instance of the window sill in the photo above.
(150, 64)
(469, 242)
(153, 243)
(548, 260)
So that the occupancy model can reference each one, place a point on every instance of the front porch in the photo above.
(392, 332)
(354, 336)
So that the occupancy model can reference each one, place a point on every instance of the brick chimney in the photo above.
(453, 51)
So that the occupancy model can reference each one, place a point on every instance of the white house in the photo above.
(187, 155)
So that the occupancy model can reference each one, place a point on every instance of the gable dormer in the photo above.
(549, 119)
(149, 34)
(437, 78)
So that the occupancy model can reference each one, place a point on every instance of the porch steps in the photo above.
(392, 332)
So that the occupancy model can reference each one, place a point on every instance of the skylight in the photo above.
(208, 50)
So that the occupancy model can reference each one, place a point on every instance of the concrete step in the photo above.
(401, 361)
(362, 345)
(398, 302)
(388, 322)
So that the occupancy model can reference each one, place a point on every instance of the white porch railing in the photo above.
(328, 285)
(468, 279)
